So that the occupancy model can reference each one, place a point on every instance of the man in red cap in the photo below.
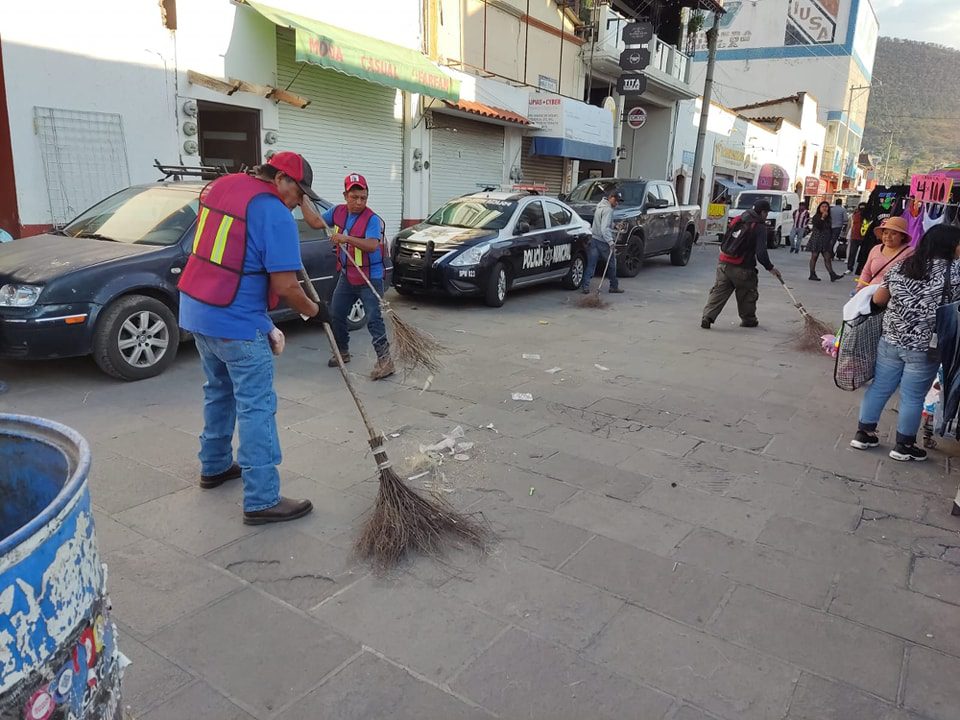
(357, 234)
(246, 254)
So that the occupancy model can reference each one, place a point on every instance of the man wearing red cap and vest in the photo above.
(246, 254)
(358, 238)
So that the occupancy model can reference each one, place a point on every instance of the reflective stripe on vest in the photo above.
(364, 260)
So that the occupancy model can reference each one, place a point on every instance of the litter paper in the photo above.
(526, 397)
(554, 370)
(530, 356)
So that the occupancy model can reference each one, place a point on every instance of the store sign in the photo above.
(716, 223)
(637, 33)
(635, 59)
(547, 83)
(931, 188)
(733, 158)
(811, 185)
(636, 118)
(568, 119)
(632, 84)
(813, 23)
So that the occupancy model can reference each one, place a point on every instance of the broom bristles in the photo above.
(809, 337)
(403, 521)
(593, 300)
(413, 348)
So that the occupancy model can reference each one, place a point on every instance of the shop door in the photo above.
(228, 135)
(541, 169)
(465, 157)
(349, 126)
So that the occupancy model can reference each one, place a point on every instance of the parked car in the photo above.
(105, 284)
(649, 221)
(487, 243)
(780, 218)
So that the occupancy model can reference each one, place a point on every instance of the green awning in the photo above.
(363, 57)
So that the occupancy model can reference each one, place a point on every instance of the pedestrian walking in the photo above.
(801, 219)
(856, 236)
(246, 254)
(906, 354)
(743, 247)
(894, 248)
(603, 244)
(821, 242)
(838, 218)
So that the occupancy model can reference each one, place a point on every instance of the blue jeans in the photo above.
(914, 373)
(600, 249)
(796, 237)
(344, 297)
(239, 392)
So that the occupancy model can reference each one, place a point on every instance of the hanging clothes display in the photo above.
(934, 215)
(913, 213)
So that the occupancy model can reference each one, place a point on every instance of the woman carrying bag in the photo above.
(894, 247)
(907, 355)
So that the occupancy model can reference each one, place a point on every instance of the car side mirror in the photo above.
(523, 227)
(658, 203)
(788, 206)
(562, 196)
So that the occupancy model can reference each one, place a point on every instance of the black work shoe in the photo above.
(705, 324)
(864, 440)
(332, 362)
(585, 290)
(749, 323)
(814, 277)
(906, 453)
(835, 277)
(286, 509)
(212, 481)
(616, 291)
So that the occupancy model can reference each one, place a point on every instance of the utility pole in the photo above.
(846, 137)
(886, 163)
(712, 35)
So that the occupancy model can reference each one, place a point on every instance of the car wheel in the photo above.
(405, 291)
(135, 338)
(496, 291)
(632, 259)
(574, 277)
(680, 255)
(779, 237)
(357, 317)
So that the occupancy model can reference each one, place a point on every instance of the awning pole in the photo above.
(696, 191)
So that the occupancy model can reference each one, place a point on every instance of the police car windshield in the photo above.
(157, 215)
(748, 200)
(474, 213)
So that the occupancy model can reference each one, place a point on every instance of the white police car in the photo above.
(487, 243)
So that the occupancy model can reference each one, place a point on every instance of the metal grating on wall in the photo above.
(84, 158)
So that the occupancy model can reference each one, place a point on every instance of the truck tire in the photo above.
(680, 255)
(632, 260)
(496, 290)
(136, 338)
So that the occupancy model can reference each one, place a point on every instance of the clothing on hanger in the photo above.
(934, 215)
(914, 217)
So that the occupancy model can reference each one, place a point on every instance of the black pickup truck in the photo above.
(648, 222)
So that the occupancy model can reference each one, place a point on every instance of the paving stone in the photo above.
(157, 446)
(540, 600)
(111, 535)
(330, 464)
(677, 590)
(521, 676)
(408, 622)
(937, 579)
(824, 644)
(600, 477)
(737, 518)
(507, 423)
(904, 613)
(615, 407)
(296, 567)
(373, 688)
(857, 492)
(733, 682)
(233, 645)
(730, 434)
(842, 552)
(519, 453)
(583, 445)
(918, 538)
(152, 585)
(797, 503)
(511, 484)
(149, 680)
(820, 699)
(664, 441)
(683, 471)
(930, 684)
(747, 463)
(118, 483)
(759, 565)
(625, 522)
(197, 700)
(560, 415)
(934, 478)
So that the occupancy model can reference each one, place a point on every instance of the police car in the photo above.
(487, 243)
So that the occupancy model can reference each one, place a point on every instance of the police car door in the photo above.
(562, 234)
(530, 242)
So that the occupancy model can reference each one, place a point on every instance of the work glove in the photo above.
(323, 315)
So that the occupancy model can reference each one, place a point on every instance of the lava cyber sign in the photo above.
(637, 33)
(632, 84)
(637, 118)
(546, 256)
(636, 59)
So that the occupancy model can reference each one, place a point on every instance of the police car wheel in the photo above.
(496, 290)
(357, 317)
(136, 338)
(574, 278)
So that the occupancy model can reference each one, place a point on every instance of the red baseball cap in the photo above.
(296, 167)
(354, 180)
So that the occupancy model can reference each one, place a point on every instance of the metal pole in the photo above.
(846, 141)
(526, 42)
(712, 34)
(886, 164)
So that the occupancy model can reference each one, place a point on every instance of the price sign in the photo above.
(931, 188)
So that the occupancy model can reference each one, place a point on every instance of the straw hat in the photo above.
(897, 224)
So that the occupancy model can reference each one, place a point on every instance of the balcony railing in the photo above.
(670, 60)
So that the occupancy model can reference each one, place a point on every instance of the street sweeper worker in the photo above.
(245, 259)
(744, 245)
(356, 232)
(603, 244)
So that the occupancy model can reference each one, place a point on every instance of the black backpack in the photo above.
(737, 238)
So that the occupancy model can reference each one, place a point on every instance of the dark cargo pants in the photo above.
(732, 279)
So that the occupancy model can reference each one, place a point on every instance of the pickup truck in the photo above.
(647, 223)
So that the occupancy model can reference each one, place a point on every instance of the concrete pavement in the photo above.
(684, 532)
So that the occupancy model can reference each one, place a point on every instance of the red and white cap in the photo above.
(354, 180)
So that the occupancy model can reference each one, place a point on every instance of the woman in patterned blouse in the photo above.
(906, 357)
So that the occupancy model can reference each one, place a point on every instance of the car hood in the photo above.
(443, 238)
(39, 259)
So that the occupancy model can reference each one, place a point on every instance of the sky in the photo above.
(936, 21)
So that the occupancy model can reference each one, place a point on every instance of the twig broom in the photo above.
(808, 338)
(402, 519)
(593, 300)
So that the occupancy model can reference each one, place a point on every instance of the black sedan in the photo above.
(106, 283)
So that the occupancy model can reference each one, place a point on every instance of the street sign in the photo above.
(631, 84)
(637, 33)
(636, 118)
(634, 59)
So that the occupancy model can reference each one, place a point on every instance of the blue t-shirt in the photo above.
(374, 232)
(273, 245)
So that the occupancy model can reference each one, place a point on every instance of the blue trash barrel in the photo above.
(58, 651)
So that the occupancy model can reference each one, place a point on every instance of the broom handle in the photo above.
(312, 294)
(353, 262)
(613, 249)
(796, 303)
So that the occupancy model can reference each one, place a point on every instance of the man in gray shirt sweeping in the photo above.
(603, 243)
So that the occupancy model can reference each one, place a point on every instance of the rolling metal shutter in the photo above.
(464, 156)
(541, 169)
(350, 126)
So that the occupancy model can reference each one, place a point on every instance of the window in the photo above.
(816, 162)
(633, 193)
(803, 155)
(652, 194)
(666, 192)
(559, 215)
(154, 215)
(533, 214)
(748, 199)
(484, 214)
(591, 190)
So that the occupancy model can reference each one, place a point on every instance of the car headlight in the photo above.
(470, 256)
(19, 295)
